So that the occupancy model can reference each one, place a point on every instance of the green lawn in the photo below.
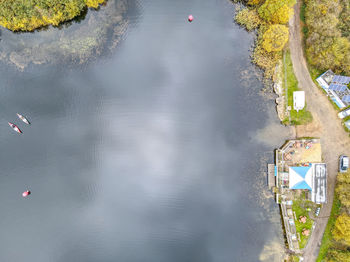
(314, 72)
(295, 259)
(327, 236)
(343, 122)
(300, 206)
(302, 18)
(303, 116)
(302, 11)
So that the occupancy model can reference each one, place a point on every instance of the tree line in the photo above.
(269, 17)
(340, 246)
(328, 34)
(28, 15)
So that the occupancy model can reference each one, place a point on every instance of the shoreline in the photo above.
(325, 124)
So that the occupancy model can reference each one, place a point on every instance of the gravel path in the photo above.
(334, 140)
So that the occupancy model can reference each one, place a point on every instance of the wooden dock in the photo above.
(271, 175)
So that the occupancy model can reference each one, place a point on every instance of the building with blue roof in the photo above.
(312, 178)
(300, 177)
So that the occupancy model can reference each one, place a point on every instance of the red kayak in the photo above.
(16, 128)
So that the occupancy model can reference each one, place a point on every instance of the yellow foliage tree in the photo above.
(341, 231)
(248, 18)
(275, 37)
(343, 189)
(254, 2)
(276, 11)
(94, 3)
(335, 255)
(266, 60)
(27, 15)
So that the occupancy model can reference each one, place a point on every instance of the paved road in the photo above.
(334, 140)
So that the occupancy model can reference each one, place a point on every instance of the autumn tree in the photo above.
(328, 38)
(335, 255)
(341, 231)
(344, 177)
(248, 18)
(343, 189)
(276, 11)
(275, 37)
(344, 21)
(94, 3)
(254, 2)
(19, 15)
(266, 60)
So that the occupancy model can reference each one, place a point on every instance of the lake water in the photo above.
(152, 152)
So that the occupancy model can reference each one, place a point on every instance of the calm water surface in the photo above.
(146, 154)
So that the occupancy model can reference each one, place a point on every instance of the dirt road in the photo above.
(334, 140)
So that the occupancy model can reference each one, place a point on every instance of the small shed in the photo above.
(298, 100)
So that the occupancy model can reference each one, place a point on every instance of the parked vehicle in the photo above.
(343, 163)
(317, 212)
(344, 113)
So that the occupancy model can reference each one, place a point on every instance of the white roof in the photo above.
(319, 187)
(298, 100)
(300, 177)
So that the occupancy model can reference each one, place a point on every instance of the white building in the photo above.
(298, 100)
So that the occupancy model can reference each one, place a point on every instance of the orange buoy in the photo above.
(190, 18)
(26, 193)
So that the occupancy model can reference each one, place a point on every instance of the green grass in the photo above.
(308, 137)
(300, 206)
(346, 119)
(295, 259)
(346, 107)
(327, 236)
(304, 28)
(305, 31)
(302, 11)
(314, 72)
(343, 124)
(303, 116)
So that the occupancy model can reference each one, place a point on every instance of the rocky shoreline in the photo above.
(278, 90)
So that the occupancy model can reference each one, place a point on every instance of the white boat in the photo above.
(25, 120)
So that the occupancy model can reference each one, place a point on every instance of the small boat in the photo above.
(16, 128)
(25, 120)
